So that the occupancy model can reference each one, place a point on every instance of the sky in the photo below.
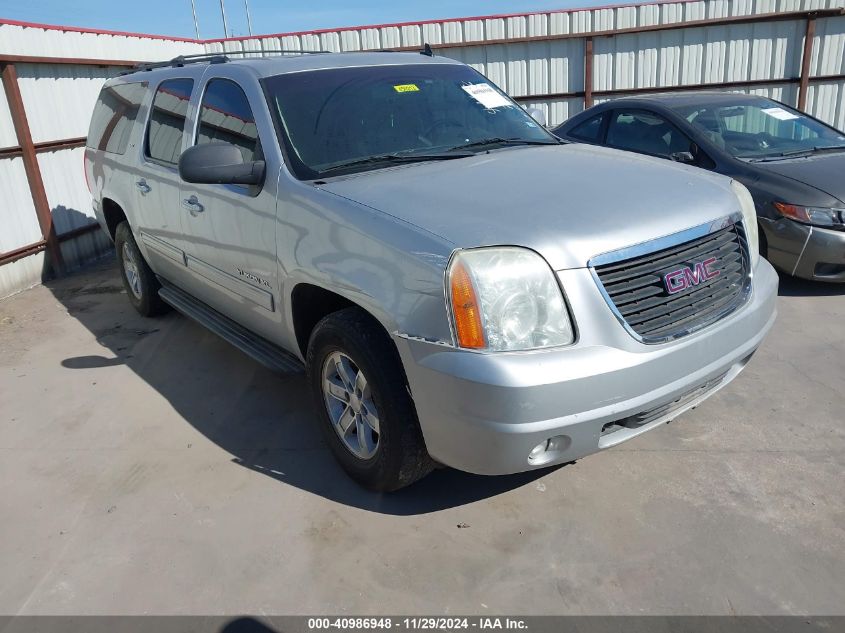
(173, 17)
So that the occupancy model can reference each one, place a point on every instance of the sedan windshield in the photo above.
(344, 120)
(761, 129)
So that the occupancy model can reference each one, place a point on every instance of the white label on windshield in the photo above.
(486, 96)
(780, 113)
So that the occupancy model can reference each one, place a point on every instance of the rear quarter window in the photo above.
(114, 115)
(589, 130)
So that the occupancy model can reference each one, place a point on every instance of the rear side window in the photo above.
(589, 130)
(167, 121)
(225, 116)
(115, 113)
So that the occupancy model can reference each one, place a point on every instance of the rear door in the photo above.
(230, 230)
(157, 183)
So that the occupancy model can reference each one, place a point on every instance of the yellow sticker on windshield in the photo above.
(406, 88)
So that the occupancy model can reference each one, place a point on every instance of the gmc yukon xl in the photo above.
(461, 287)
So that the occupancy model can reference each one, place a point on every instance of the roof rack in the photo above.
(214, 58)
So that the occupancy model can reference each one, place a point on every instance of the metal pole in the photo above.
(31, 167)
(196, 24)
(806, 57)
(588, 72)
(248, 18)
(223, 13)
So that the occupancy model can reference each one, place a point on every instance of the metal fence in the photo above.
(51, 79)
(560, 61)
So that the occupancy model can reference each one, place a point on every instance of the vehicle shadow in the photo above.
(794, 287)
(247, 624)
(266, 421)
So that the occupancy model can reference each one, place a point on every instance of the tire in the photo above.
(398, 457)
(139, 280)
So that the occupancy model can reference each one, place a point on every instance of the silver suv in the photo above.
(462, 287)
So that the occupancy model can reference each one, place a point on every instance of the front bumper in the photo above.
(484, 412)
(804, 251)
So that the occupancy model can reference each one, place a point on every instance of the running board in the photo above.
(262, 350)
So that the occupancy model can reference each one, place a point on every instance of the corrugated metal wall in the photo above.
(692, 56)
(548, 73)
(58, 99)
(17, 39)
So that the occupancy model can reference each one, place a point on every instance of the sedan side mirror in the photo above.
(683, 157)
(219, 164)
(538, 115)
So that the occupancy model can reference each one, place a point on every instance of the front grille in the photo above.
(638, 291)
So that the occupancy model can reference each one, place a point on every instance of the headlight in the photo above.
(749, 220)
(506, 298)
(818, 216)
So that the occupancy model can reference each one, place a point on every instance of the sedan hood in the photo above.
(567, 202)
(822, 171)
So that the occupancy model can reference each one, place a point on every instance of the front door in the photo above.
(230, 230)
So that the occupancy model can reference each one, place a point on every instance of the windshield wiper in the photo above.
(798, 152)
(827, 148)
(393, 158)
(495, 140)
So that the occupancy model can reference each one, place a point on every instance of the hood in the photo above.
(567, 202)
(822, 171)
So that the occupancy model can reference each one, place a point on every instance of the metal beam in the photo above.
(30, 163)
(37, 247)
(23, 251)
(588, 73)
(71, 61)
(806, 57)
(45, 146)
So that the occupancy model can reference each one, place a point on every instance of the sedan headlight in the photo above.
(506, 298)
(749, 220)
(817, 216)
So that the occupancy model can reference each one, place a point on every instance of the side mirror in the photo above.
(538, 115)
(683, 157)
(219, 164)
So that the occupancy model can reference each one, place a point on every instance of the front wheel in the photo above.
(365, 410)
(139, 280)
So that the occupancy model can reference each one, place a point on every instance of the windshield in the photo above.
(760, 128)
(352, 119)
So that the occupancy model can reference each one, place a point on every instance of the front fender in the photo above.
(392, 269)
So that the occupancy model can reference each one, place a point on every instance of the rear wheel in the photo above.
(366, 413)
(139, 280)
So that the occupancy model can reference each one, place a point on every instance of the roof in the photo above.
(694, 97)
(281, 64)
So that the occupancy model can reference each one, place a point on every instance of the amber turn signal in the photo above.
(465, 308)
(792, 211)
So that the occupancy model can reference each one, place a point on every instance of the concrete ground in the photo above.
(148, 467)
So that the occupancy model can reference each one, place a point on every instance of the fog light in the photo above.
(538, 450)
(549, 450)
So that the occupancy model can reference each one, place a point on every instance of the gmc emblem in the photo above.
(689, 276)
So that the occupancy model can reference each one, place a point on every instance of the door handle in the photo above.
(193, 205)
(143, 187)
